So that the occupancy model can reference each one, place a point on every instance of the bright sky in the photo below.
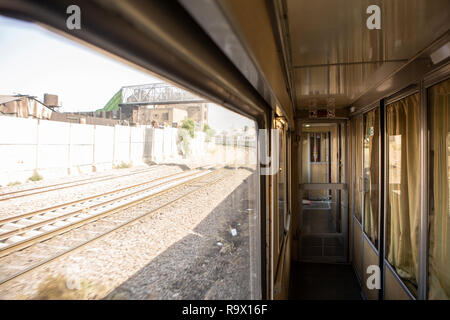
(35, 61)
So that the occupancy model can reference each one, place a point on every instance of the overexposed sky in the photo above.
(35, 61)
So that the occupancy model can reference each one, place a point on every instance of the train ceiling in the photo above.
(336, 58)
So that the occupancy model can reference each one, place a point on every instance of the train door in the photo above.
(323, 192)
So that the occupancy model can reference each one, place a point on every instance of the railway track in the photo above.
(36, 232)
(19, 231)
(64, 185)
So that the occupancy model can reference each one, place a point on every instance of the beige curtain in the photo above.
(370, 174)
(402, 220)
(439, 249)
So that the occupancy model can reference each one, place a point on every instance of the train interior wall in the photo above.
(394, 190)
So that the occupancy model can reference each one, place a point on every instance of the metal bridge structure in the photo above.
(157, 94)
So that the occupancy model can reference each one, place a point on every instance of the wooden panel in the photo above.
(318, 175)
(357, 249)
(319, 172)
(392, 288)
(257, 36)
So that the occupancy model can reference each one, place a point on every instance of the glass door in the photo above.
(323, 193)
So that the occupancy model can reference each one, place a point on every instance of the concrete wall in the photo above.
(55, 149)
(178, 115)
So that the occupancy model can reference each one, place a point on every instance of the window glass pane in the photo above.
(439, 216)
(402, 219)
(343, 153)
(370, 173)
(319, 144)
(319, 151)
(119, 186)
(315, 145)
(358, 183)
(281, 176)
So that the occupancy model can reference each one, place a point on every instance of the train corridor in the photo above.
(321, 281)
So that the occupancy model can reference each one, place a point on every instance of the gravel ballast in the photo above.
(195, 248)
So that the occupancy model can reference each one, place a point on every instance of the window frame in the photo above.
(440, 75)
(408, 91)
(226, 86)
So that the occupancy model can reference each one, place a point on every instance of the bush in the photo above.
(35, 177)
(13, 183)
(123, 165)
(189, 125)
(210, 133)
(184, 141)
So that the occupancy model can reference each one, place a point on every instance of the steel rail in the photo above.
(63, 217)
(62, 229)
(47, 235)
(68, 185)
(122, 225)
(66, 204)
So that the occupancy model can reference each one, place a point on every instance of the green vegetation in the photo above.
(186, 132)
(189, 125)
(13, 183)
(122, 165)
(184, 141)
(210, 133)
(35, 177)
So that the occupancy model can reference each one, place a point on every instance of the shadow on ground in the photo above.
(209, 263)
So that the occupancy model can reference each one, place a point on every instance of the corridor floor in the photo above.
(319, 281)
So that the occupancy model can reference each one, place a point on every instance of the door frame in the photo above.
(341, 185)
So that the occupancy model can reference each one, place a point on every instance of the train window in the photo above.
(281, 177)
(131, 188)
(370, 173)
(319, 144)
(439, 191)
(358, 185)
(342, 153)
(402, 218)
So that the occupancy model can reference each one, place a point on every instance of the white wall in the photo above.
(56, 149)
(59, 148)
